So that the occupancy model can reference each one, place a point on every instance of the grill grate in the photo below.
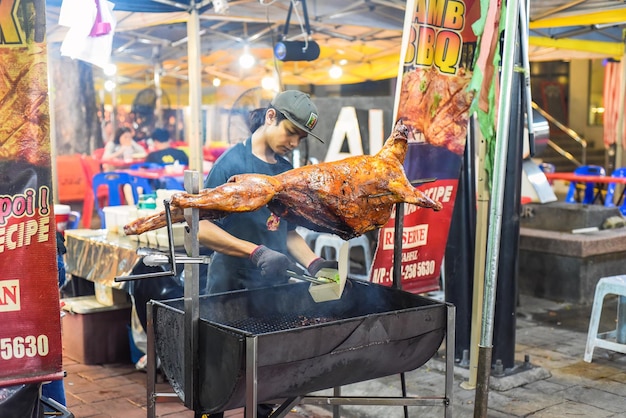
(277, 323)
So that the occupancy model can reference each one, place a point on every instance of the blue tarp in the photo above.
(143, 6)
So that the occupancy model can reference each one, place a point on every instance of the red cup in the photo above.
(62, 216)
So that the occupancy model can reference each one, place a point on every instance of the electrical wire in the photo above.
(274, 60)
(304, 33)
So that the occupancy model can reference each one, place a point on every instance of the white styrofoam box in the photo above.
(163, 194)
(145, 237)
(178, 233)
(117, 216)
(158, 237)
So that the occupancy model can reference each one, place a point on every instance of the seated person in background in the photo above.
(164, 153)
(122, 147)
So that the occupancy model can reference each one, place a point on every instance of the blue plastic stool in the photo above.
(589, 196)
(610, 191)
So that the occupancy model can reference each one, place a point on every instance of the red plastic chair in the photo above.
(98, 153)
(91, 167)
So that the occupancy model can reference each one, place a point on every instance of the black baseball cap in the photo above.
(298, 109)
(161, 135)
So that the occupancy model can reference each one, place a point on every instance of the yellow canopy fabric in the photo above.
(594, 18)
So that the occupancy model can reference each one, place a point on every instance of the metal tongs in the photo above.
(153, 257)
(306, 277)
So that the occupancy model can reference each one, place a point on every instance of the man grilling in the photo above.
(255, 249)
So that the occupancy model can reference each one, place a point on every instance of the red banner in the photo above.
(30, 335)
(433, 99)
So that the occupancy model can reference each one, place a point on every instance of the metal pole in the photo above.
(495, 209)
(459, 259)
(191, 292)
(506, 290)
(151, 363)
(397, 273)
(195, 90)
(52, 133)
(482, 211)
(619, 139)
(397, 246)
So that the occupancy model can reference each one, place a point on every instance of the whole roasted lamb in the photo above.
(348, 197)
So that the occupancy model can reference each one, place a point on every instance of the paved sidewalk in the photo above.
(562, 384)
(552, 334)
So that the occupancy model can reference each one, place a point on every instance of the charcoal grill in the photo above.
(214, 349)
(302, 346)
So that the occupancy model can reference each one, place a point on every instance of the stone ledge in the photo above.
(573, 245)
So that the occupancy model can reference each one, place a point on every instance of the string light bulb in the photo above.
(110, 69)
(269, 83)
(335, 71)
(109, 85)
(246, 60)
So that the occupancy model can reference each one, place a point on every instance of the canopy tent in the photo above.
(578, 34)
(362, 36)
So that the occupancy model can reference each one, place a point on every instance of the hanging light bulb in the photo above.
(335, 71)
(217, 82)
(246, 60)
(109, 85)
(110, 69)
(269, 83)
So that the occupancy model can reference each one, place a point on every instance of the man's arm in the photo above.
(215, 238)
(299, 249)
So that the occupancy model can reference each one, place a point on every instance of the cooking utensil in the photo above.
(306, 277)
(334, 289)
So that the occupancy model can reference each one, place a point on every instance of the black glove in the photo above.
(272, 263)
(319, 263)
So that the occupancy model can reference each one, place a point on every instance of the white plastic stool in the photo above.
(324, 243)
(308, 235)
(615, 285)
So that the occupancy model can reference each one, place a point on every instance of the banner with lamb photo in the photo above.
(433, 99)
(30, 335)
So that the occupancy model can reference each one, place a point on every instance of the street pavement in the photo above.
(558, 382)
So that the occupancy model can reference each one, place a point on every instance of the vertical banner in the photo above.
(30, 334)
(433, 99)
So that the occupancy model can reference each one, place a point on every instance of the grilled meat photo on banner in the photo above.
(437, 106)
(348, 197)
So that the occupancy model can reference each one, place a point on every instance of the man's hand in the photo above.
(272, 263)
(320, 263)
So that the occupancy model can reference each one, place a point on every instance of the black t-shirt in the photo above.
(261, 226)
(168, 156)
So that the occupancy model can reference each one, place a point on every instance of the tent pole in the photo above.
(495, 208)
(619, 140)
(195, 89)
(480, 243)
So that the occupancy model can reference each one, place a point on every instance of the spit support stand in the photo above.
(153, 257)
(191, 306)
(191, 295)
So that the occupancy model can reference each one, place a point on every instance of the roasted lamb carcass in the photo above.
(348, 197)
